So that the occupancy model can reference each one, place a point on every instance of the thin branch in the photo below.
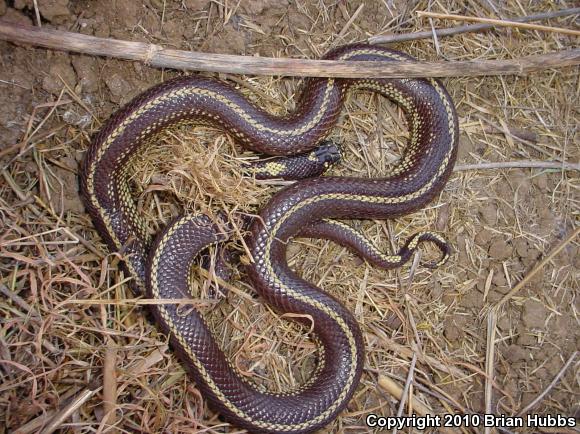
(538, 267)
(469, 28)
(65, 412)
(501, 23)
(518, 164)
(392, 388)
(489, 364)
(158, 56)
(406, 389)
(550, 386)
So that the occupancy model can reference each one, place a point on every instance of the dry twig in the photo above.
(502, 23)
(550, 386)
(470, 28)
(158, 56)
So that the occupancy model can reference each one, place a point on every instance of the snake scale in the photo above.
(308, 207)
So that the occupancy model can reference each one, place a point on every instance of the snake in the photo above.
(316, 207)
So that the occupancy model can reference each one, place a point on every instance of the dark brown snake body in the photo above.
(306, 208)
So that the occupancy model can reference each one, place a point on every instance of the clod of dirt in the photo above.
(504, 323)
(562, 325)
(500, 249)
(534, 314)
(15, 17)
(74, 117)
(525, 337)
(453, 327)
(61, 70)
(488, 214)
(515, 353)
(86, 68)
(472, 299)
(230, 41)
(64, 194)
(53, 10)
(483, 237)
(128, 16)
(522, 247)
(499, 279)
(541, 181)
(118, 86)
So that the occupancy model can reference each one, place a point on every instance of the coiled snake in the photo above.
(306, 208)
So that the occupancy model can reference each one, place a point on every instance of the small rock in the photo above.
(500, 249)
(73, 117)
(118, 86)
(534, 314)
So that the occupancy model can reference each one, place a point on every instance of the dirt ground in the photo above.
(71, 328)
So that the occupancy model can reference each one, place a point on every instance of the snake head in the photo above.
(328, 153)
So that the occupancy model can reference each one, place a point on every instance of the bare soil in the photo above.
(69, 323)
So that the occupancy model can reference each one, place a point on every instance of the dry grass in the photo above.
(71, 326)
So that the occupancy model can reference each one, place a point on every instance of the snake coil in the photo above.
(307, 208)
